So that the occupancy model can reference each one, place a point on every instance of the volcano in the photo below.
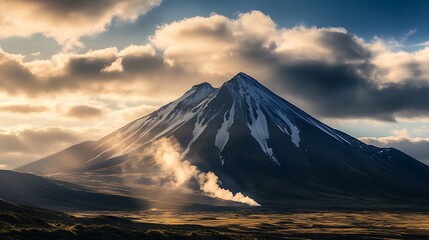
(257, 143)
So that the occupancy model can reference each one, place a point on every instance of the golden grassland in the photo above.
(322, 224)
(19, 222)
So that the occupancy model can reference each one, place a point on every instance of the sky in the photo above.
(76, 70)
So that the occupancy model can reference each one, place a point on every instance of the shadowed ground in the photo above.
(19, 222)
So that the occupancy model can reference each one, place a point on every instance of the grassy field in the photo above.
(19, 222)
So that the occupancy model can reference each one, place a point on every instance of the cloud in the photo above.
(422, 44)
(26, 145)
(415, 147)
(67, 20)
(23, 109)
(34, 54)
(84, 112)
(10, 143)
(339, 91)
(401, 139)
(136, 71)
(37, 139)
(327, 71)
(14, 74)
(130, 113)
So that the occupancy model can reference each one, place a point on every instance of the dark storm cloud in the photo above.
(346, 46)
(342, 88)
(337, 90)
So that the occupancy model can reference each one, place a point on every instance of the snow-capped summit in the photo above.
(243, 78)
(203, 85)
(257, 143)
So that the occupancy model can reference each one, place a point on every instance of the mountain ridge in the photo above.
(36, 191)
(257, 143)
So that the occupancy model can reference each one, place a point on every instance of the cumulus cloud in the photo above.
(67, 20)
(84, 112)
(327, 71)
(135, 70)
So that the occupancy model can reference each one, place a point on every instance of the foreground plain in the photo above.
(20, 222)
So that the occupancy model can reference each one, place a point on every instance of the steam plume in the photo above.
(166, 152)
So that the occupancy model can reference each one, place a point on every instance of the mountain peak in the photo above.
(202, 85)
(256, 142)
(199, 91)
(243, 75)
(243, 78)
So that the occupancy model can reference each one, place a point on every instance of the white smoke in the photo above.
(209, 184)
(166, 153)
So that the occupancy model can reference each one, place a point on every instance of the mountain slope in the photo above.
(257, 143)
(41, 192)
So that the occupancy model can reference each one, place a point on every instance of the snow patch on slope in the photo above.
(290, 129)
(253, 104)
(196, 133)
(259, 131)
(167, 118)
(222, 135)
